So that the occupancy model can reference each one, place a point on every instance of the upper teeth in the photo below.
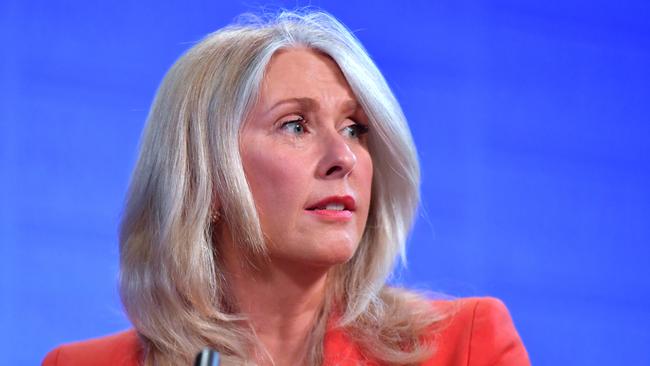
(335, 206)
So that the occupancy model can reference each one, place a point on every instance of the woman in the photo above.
(276, 185)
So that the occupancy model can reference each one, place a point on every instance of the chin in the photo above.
(334, 253)
(319, 255)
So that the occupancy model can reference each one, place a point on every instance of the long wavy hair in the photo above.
(171, 281)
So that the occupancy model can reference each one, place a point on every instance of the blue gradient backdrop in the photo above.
(531, 119)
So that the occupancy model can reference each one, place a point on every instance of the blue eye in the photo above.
(356, 130)
(296, 127)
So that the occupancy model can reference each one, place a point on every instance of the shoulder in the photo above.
(121, 349)
(476, 331)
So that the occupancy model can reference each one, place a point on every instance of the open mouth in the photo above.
(334, 203)
(330, 207)
(338, 208)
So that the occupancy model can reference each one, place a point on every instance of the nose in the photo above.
(338, 159)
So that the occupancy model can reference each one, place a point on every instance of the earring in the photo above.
(215, 216)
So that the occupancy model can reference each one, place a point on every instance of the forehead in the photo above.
(300, 72)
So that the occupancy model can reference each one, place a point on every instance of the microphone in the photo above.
(207, 357)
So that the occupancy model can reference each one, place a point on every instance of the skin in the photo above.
(296, 153)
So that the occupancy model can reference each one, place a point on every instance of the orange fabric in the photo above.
(480, 332)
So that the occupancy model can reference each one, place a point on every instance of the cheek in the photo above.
(274, 179)
(365, 171)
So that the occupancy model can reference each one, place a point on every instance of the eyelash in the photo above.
(301, 121)
(359, 128)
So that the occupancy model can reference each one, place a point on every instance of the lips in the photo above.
(334, 203)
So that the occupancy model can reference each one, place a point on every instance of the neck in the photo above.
(281, 301)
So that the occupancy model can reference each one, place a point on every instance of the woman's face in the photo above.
(305, 154)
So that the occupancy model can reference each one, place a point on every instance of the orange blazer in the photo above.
(480, 332)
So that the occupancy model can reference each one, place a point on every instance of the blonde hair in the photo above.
(171, 282)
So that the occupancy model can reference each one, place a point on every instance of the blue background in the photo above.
(531, 119)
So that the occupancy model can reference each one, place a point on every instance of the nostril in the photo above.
(333, 170)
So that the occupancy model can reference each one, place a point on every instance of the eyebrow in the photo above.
(310, 103)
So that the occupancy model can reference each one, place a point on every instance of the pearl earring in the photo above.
(215, 216)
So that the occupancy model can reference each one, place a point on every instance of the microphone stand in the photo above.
(207, 357)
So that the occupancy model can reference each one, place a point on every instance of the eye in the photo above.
(355, 130)
(295, 127)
